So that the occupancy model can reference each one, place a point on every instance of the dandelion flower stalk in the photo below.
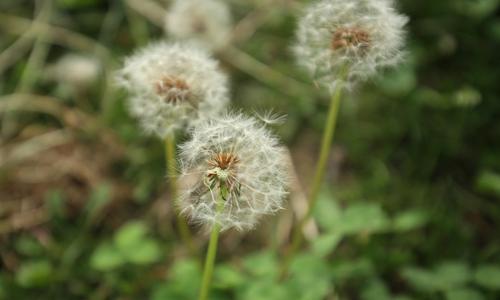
(211, 254)
(182, 225)
(326, 143)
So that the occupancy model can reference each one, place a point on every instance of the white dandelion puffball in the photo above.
(206, 21)
(343, 42)
(76, 70)
(233, 173)
(173, 85)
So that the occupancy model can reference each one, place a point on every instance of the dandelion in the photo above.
(343, 42)
(206, 21)
(76, 70)
(234, 172)
(235, 162)
(173, 86)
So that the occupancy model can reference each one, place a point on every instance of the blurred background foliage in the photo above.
(410, 210)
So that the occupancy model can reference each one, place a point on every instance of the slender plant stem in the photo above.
(172, 178)
(211, 253)
(326, 144)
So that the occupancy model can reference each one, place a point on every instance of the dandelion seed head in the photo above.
(358, 37)
(173, 86)
(76, 70)
(238, 156)
(206, 21)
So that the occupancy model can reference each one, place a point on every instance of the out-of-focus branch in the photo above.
(151, 10)
(17, 50)
(24, 220)
(55, 34)
(72, 118)
(33, 146)
(39, 52)
(263, 73)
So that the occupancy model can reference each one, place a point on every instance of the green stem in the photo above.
(182, 225)
(326, 144)
(211, 253)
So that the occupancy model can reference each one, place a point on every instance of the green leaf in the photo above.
(135, 247)
(309, 278)
(375, 290)
(29, 246)
(432, 98)
(453, 274)
(130, 235)
(164, 291)
(106, 258)
(398, 82)
(226, 277)
(264, 290)
(494, 29)
(488, 276)
(464, 294)
(448, 276)
(363, 218)
(409, 220)
(467, 97)
(488, 182)
(476, 8)
(146, 252)
(327, 212)
(308, 265)
(352, 269)
(261, 264)
(422, 280)
(326, 244)
(35, 274)
(184, 275)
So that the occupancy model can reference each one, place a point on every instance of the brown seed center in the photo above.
(224, 161)
(223, 172)
(173, 90)
(353, 38)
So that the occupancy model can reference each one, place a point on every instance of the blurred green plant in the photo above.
(414, 213)
(130, 245)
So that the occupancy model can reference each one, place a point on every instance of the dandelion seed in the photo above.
(357, 37)
(237, 157)
(173, 85)
(206, 21)
(271, 118)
